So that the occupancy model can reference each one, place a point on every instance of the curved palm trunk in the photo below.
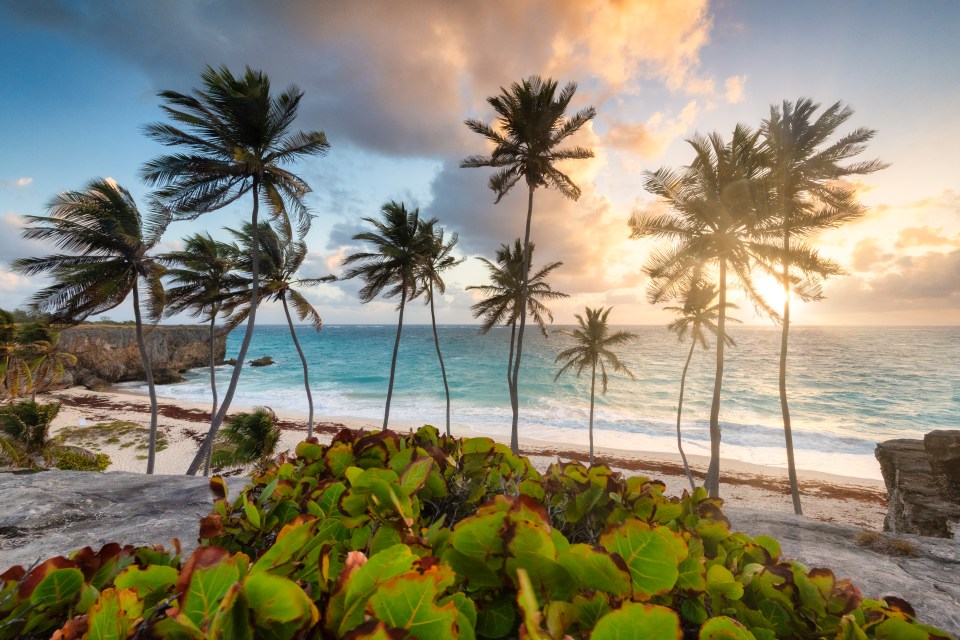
(303, 360)
(443, 370)
(393, 363)
(683, 383)
(247, 336)
(213, 384)
(148, 374)
(593, 387)
(510, 387)
(784, 408)
(713, 473)
(514, 429)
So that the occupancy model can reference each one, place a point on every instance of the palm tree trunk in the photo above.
(514, 429)
(303, 360)
(247, 336)
(213, 383)
(593, 386)
(713, 473)
(393, 363)
(683, 382)
(148, 374)
(785, 409)
(510, 388)
(443, 370)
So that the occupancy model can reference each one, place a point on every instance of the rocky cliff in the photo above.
(107, 354)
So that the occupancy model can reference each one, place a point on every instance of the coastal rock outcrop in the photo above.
(923, 484)
(108, 354)
(265, 361)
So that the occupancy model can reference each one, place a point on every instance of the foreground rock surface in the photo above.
(923, 484)
(54, 512)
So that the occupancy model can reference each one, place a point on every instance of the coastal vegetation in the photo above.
(25, 440)
(381, 535)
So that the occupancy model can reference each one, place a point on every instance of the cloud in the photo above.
(734, 88)
(650, 139)
(18, 182)
(391, 77)
(925, 237)
(867, 254)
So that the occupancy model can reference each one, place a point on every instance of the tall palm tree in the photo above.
(504, 298)
(530, 127)
(716, 218)
(281, 259)
(698, 315)
(391, 268)
(202, 277)
(806, 169)
(108, 241)
(593, 347)
(433, 263)
(237, 139)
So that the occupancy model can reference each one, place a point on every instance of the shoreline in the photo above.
(826, 497)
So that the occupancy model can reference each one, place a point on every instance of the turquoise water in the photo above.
(849, 387)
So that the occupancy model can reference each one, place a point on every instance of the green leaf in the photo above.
(496, 619)
(330, 497)
(466, 615)
(363, 583)
(338, 458)
(59, 589)
(207, 587)
(415, 475)
(252, 513)
(724, 628)
(232, 619)
(631, 621)
(722, 584)
(899, 629)
(479, 536)
(151, 584)
(771, 545)
(595, 570)
(591, 609)
(409, 602)
(651, 558)
(280, 607)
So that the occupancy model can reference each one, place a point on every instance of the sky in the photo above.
(391, 83)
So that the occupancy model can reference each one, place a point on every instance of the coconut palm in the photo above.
(716, 216)
(593, 348)
(281, 259)
(433, 263)
(202, 277)
(697, 316)
(248, 438)
(504, 299)
(530, 127)
(806, 169)
(391, 268)
(108, 241)
(237, 138)
(14, 368)
(40, 345)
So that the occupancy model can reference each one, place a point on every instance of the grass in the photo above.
(881, 543)
(124, 434)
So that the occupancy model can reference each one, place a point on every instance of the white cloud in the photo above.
(734, 88)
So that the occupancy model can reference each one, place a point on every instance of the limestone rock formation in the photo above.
(265, 361)
(923, 484)
(108, 354)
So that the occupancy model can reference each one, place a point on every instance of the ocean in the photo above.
(849, 387)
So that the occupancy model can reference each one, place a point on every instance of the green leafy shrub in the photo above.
(248, 438)
(381, 536)
(79, 460)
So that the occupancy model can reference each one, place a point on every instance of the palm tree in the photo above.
(699, 312)
(47, 361)
(716, 218)
(281, 258)
(593, 343)
(531, 125)
(805, 176)
(202, 277)
(391, 269)
(504, 299)
(14, 368)
(108, 240)
(248, 438)
(433, 263)
(237, 138)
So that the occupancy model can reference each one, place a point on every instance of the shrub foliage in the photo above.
(385, 536)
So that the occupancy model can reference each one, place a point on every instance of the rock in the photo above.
(923, 483)
(51, 513)
(231, 361)
(265, 361)
(110, 353)
(167, 376)
(930, 580)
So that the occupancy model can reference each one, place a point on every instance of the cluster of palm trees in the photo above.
(31, 358)
(741, 207)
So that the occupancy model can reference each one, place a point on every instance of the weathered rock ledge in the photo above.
(923, 484)
(108, 354)
(54, 512)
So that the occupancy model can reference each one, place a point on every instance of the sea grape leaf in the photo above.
(384, 538)
(649, 555)
(527, 600)
(591, 609)
(594, 569)
(58, 589)
(476, 573)
(497, 618)
(724, 628)
(232, 619)
(899, 629)
(207, 586)
(114, 615)
(151, 584)
(330, 497)
(415, 475)
(722, 584)
(346, 608)
(632, 620)
(280, 607)
(850, 630)
(693, 576)
(479, 536)
(338, 458)
(288, 547)
(466, 615)
(560, 615)
(409, 602)
(771, 545)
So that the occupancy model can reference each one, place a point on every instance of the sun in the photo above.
(772, 291)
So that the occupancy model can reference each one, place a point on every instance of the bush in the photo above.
(422, 536)
(79, 460)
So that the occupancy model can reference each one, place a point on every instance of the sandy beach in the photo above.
(827, 497)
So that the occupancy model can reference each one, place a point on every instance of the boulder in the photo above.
(923, 484)
(265, 361)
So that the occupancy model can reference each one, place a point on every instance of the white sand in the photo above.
(827, 497)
